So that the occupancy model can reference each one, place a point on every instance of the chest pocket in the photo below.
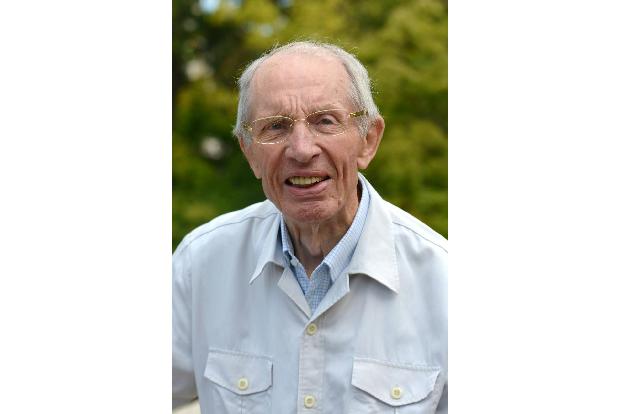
(384, 387)
(240, 383)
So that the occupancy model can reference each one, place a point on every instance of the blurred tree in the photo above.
(403, 44)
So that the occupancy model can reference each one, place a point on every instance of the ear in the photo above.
(371, 143)
(251, 157)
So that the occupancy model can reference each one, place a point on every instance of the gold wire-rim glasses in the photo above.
(282, 125)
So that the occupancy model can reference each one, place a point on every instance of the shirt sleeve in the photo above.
(183, 383)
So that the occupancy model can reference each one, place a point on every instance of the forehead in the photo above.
(299, 82)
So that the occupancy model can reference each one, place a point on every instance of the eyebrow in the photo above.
(314, 108)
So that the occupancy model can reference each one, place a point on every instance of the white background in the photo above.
(85, 208)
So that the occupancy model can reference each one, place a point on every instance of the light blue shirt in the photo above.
(246, 341)
(332, 266)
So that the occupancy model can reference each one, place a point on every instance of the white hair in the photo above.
(360, 90)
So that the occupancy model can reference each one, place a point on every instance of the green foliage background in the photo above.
(403, 44)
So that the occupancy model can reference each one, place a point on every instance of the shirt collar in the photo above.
(375, 254)
(270, 251)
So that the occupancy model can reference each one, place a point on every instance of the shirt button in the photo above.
(309, 401)
(242, 384)
(396, 393)
(311, 329)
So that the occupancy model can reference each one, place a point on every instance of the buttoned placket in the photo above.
(311, 369)
(311, 349)
(311, 365)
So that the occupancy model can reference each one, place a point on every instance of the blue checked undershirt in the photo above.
(316, 287)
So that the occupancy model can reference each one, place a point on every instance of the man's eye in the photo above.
(276, 126)
(326, 120)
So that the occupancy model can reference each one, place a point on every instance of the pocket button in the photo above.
(242, 384)
(396, 393)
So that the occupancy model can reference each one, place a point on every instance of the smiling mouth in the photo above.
(304, 182)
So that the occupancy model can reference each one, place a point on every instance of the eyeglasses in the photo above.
(276, 129)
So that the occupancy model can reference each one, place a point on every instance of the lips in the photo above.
(304, 182)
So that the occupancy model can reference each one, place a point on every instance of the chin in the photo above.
(313, 213)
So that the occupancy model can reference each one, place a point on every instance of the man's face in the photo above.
(297, 85)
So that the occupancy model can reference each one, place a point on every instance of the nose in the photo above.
(301, 145)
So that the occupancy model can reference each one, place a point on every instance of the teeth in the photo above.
(304, 180)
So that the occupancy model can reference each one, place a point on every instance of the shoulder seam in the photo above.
(421, 236)
(196, 237)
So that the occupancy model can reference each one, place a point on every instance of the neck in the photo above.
(313, 241)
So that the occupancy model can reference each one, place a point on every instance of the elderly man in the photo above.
(323, 298)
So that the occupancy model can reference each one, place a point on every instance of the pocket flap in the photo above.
(394, 384)
(240, 373)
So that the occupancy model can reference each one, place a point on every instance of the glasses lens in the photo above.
(328, 122)
(271, 129)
